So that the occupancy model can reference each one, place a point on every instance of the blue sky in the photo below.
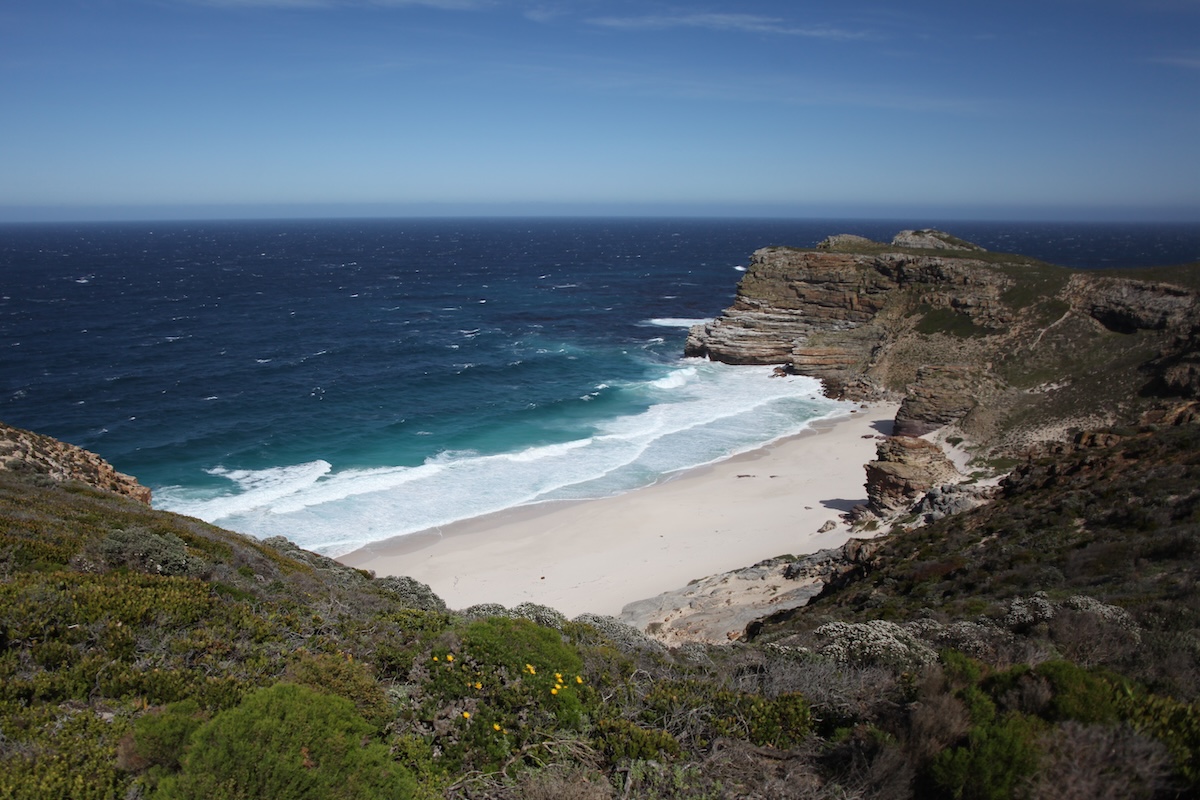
(1056, 109)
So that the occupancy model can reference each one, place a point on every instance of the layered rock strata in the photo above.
(1006, 349)
(25, 451)
(904, 469)
(939, 396)
(833, 315)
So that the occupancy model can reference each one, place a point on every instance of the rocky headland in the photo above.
(997, 350)
(994, 358)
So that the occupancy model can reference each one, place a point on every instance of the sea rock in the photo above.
(905, 469)
(786, 297)
(1182, 375)
(25, 451)
(736, 605)
(1006, 349)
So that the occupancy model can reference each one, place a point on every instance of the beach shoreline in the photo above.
(599, 555)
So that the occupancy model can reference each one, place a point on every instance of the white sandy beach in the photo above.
(598, 555)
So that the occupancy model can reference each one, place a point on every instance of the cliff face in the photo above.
(1008, 350)
(24, 451)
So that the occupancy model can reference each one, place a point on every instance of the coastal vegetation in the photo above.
(1045, 640)
(1045, 644)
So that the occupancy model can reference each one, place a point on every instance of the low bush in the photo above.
(287, 742)
(997, 763)
(339, 674)
(697, 712)
(497, 689)
(620, 739)
(158, 738)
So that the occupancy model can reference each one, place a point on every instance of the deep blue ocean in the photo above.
(341, 382)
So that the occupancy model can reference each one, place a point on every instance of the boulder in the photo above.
(905, 469)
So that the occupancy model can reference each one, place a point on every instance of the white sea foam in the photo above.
(676, 322)
(674, 380)
(696, 413)
(255, 489)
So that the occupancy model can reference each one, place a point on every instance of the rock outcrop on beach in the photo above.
(28, 452)
(717, 609)
(904, 469)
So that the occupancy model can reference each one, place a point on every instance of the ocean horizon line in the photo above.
(220, 212)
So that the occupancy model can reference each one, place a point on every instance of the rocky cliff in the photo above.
(28, 452)
(1001, 349)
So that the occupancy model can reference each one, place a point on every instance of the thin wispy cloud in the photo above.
(740, 23)
(1187, 62)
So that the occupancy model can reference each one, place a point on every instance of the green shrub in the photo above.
(979, 705)
(959, 668)
(158, 738)
(1078, 694)
(59, 754)
(502, 687)
(698, 712)
(620, 739)
(513, 643)
(1175, 724)
(997, 763)
(951, 322)
(341, 675)
(284, 742)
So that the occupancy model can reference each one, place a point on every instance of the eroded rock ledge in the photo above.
(25, 451)
(720, 608)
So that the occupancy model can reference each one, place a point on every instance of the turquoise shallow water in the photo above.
(339, 382)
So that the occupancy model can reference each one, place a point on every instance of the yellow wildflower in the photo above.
(495, 726)
(554, 691)
(466, 715)
(450, 657)
(478, 685)
(578, 679)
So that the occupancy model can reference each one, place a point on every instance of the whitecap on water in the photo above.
(676, 322)
(696, 413)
